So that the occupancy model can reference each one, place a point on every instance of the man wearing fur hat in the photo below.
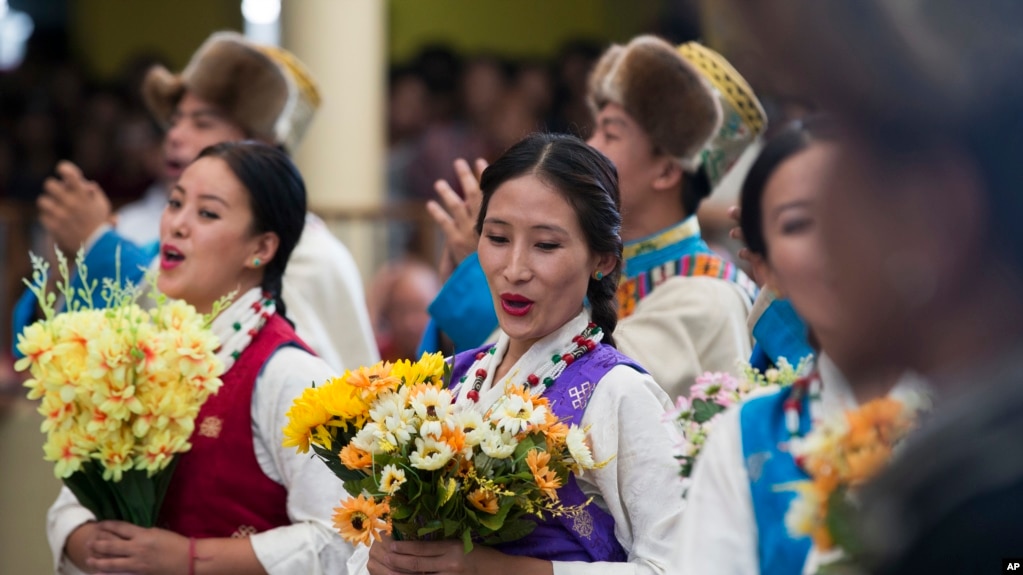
(231, 90)
(673, 122)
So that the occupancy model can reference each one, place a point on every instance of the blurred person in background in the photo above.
(269, 97)
(920, 221)
(674, 121)
(397, 298)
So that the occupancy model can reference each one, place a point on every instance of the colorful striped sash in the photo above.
(632, 290)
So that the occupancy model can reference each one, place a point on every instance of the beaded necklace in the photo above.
(809, 385)
(547, 374)
(240, 323)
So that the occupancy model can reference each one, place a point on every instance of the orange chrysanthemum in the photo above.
(361, 520)
(372, 380)
(546, 479)
(454, 437)
(484, 500)
(355, 458)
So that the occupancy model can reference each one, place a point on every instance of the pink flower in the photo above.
(718, 387)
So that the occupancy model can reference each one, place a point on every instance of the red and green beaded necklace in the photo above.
(548, 373)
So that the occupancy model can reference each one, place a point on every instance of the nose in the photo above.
(176, 222)
(518, 269)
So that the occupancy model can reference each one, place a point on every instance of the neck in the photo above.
(652, 217)
(516, 349)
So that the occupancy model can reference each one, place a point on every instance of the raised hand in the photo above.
(457, 216)
(72, 208)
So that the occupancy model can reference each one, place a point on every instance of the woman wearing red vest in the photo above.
(238, 503)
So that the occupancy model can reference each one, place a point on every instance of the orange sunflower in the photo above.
(361, 520)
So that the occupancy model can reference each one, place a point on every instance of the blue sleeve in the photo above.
(100, 263)
(780, 332)
(464, 309)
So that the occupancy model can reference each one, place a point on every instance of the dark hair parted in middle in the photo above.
(589, 183)
(277, 197)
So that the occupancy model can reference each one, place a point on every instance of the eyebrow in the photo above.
(213, 197)
(544, 227)
(614, 120)
(790, 205)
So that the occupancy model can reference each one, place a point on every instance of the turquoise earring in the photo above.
(256, 262)
(598, 275)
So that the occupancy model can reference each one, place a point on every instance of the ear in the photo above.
(763, 275)
(669, 174)
(605, 263)
(265, 249)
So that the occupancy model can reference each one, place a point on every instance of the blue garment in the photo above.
(100, 263)
(463, 310)
(770, 466)
(779, 332)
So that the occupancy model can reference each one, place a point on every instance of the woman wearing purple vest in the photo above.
(238, 501)
(552, 254)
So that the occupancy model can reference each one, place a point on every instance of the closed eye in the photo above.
(496, 239)
(209, 215)
(548, 246)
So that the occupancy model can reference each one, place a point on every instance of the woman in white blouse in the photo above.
(549, 240)
(238, 502)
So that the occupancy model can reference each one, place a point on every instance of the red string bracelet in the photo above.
(191, 556)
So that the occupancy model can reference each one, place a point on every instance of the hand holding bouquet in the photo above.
(119, 390)
(423, 467)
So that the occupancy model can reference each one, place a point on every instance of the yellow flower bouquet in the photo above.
(422, 467)
(119, 389)
(840, 455)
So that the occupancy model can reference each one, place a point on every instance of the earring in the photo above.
(598, 275)
(256, 262)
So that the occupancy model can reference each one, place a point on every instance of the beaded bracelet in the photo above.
(191, 556)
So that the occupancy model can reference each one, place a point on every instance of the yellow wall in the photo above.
(105, 34)
(517, 28)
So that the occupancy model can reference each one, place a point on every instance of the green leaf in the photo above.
(513, 530)
(704, 410)
(467, 540)
(840, 522)
(496, 521)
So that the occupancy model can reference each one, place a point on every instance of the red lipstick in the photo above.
(515, 304)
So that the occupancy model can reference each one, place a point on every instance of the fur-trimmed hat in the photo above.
(263, 89)
(743, 118)
(662, 92)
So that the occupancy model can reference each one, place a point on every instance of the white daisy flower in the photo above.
(430, 454)
(577, 448)
(514, 414)
(432, 407)
(391, 479)
(471, 422)
(498, 445)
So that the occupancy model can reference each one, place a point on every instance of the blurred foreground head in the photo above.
(925, 196)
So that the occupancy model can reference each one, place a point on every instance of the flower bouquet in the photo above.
(422, 467)
(119, 389)
(712, 394)
(839, 455)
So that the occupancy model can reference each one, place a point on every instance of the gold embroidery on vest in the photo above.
(243, 532)
(211, 427)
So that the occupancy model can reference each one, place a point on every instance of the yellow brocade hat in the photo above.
(744, 119)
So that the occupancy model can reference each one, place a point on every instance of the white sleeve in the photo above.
(310, 545)
(687, 326)
(325, 298)
(65, 515)
(719, 533)
(640, 486)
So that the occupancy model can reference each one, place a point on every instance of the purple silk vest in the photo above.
(590, 535)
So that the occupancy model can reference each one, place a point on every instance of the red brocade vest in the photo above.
(218, 488)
